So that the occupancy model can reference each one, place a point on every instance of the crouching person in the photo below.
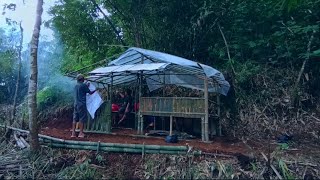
(80, 108)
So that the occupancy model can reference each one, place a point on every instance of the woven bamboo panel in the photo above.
(176, 106)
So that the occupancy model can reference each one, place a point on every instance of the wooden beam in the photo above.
(109, 121)
(202, 129)
(206, 110)
(218, 113)
(171, 119)
(140, 119)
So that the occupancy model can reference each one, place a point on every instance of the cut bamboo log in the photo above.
(114, 149)
(171, 119)
(18, 141)
(110, 147)
(24, 142)
(134, 146)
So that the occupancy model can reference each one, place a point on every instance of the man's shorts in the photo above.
(80, 113)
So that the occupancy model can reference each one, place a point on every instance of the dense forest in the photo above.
(268, 50)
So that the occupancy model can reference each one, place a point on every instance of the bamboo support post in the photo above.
(171, 119)
(202, 129)
(140, 119)
(218, 113)
(98, 147)
(136, 117)
(206, 107)
(109, 121)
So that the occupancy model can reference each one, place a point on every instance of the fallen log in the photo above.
(113, 149)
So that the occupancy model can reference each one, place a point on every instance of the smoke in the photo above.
(50, 61)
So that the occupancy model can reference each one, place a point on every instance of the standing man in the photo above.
(80, 108)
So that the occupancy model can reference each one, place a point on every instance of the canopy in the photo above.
(160, 69)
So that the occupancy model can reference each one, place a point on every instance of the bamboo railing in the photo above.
(173, 106)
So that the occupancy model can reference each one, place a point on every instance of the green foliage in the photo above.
(85, 34)
(285, 170)
(8, 66)
(284, 146)
(259, 34)
(79, 171)
(51, 96)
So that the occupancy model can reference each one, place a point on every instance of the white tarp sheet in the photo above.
(135, 56)
(94, 101)
(130, 68)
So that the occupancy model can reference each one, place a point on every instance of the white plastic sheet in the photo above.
(94, 101)
(135, 55)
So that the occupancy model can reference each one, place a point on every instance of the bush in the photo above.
(52, 96)
(79, 171)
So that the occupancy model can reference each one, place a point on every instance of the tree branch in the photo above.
(110, 22)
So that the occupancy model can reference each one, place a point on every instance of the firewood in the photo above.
(18, 141)
(24, 142)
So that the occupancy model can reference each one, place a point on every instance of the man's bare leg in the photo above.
(81, 134)
(122, 118)
(73, 129)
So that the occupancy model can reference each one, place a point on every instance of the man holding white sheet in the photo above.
(80, 110)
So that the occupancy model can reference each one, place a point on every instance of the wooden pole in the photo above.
(140, 119)
(218, 113)
(163, 94)
(140, 115)
(136, 117)
(202, 129)
(206, 107)
(171, 119)
(108, 124)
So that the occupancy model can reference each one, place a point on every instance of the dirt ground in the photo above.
(60, 128)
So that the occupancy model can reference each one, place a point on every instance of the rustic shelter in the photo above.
(157, 70)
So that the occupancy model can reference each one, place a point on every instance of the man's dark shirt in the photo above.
(80, 91)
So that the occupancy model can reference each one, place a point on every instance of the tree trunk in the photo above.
(18, 77)
(32, 90)
(295, 97)
(232, 96)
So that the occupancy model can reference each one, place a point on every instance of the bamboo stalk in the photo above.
(206, 107)
(114, 149)
(202, 129)
(218, 113)
(134, 146)
(171, 119)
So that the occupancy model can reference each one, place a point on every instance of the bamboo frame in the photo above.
(206, 109)
(218, 113)
(171, 119)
